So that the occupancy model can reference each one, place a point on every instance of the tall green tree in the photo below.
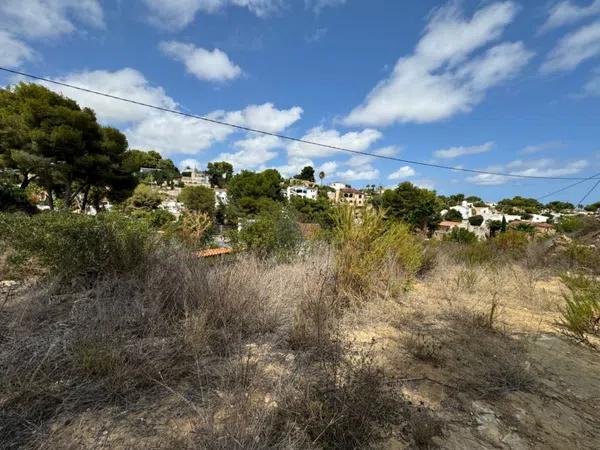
(252, 192)
(416, 206)
(307, 174)
(48, 138)
(220, 173)
(165, 170)
(198, 199)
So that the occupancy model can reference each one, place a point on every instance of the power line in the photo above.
(569, 186)
(588, 193)
(284, 137)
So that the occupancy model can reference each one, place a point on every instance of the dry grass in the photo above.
(252, 354)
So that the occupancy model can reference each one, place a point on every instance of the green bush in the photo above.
(70, 245)
(511, 240)
(273, 233)
(476, 221)
(570, 224)
(581, 315)
(462, 236)
(372, 252)
(198, 199)
(13, 199)
(160, 217)
(453, 216)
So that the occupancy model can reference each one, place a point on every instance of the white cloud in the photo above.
(264, 117)
(177, 14)
(318, 5)
(14, 52)
(171, 134)
(455, 152)
(126, 82)
(573, 49)
(253, 152)
(438, 79)
(177, 134)
(191, 163)
(565, 13)
(544, 146)
(204, 64)
(592, 87)
(540, 168)
(317, 36)
(364, 174)
(402, 172)
(48, 18)
(353, 140)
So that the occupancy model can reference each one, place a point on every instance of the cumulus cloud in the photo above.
(204, 64)
(264, 117)
(126, 82)
(189, 163)
(353, 140)
(14, 52)
(166, 132)
(544, 146)
(253, 152)
(441, 77)
(402, 172)
(177, 14)
(455, 152)
(48, 19)
(565, 13)
(540, 168)
(364, 174)
(318, 5)
(573, 49)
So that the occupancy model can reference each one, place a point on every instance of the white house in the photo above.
(538, 218)
(194, 177)
(465, 209)
(301, 191)
(220, 196)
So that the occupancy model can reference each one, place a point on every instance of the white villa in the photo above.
(301, 191)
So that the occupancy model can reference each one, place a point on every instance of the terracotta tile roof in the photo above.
(214, 252)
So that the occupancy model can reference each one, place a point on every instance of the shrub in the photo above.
(570, 224)
(581, 315)
(476, 221)
(462, 236)
(160, 217)
(476, 253)
(194, 228)
(525, 228)
(583, 256)
(71, 245)
(371, 252)
(453, 216)
(511, 240)
(273, 233)
(198, 199)
(13, 199)
(144, 197)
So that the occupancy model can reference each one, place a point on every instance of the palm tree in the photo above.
(321, 176)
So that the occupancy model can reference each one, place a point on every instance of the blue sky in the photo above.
(510, 86)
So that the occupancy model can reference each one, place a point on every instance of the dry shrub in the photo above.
(373, 255)
(487, 362)
(425, 348)
(348, 403)
(424, 427)
(110, 344)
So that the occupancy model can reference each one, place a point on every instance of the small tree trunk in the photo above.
(25, 181)
(50, 200)
(68, 195)
(86, 193)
